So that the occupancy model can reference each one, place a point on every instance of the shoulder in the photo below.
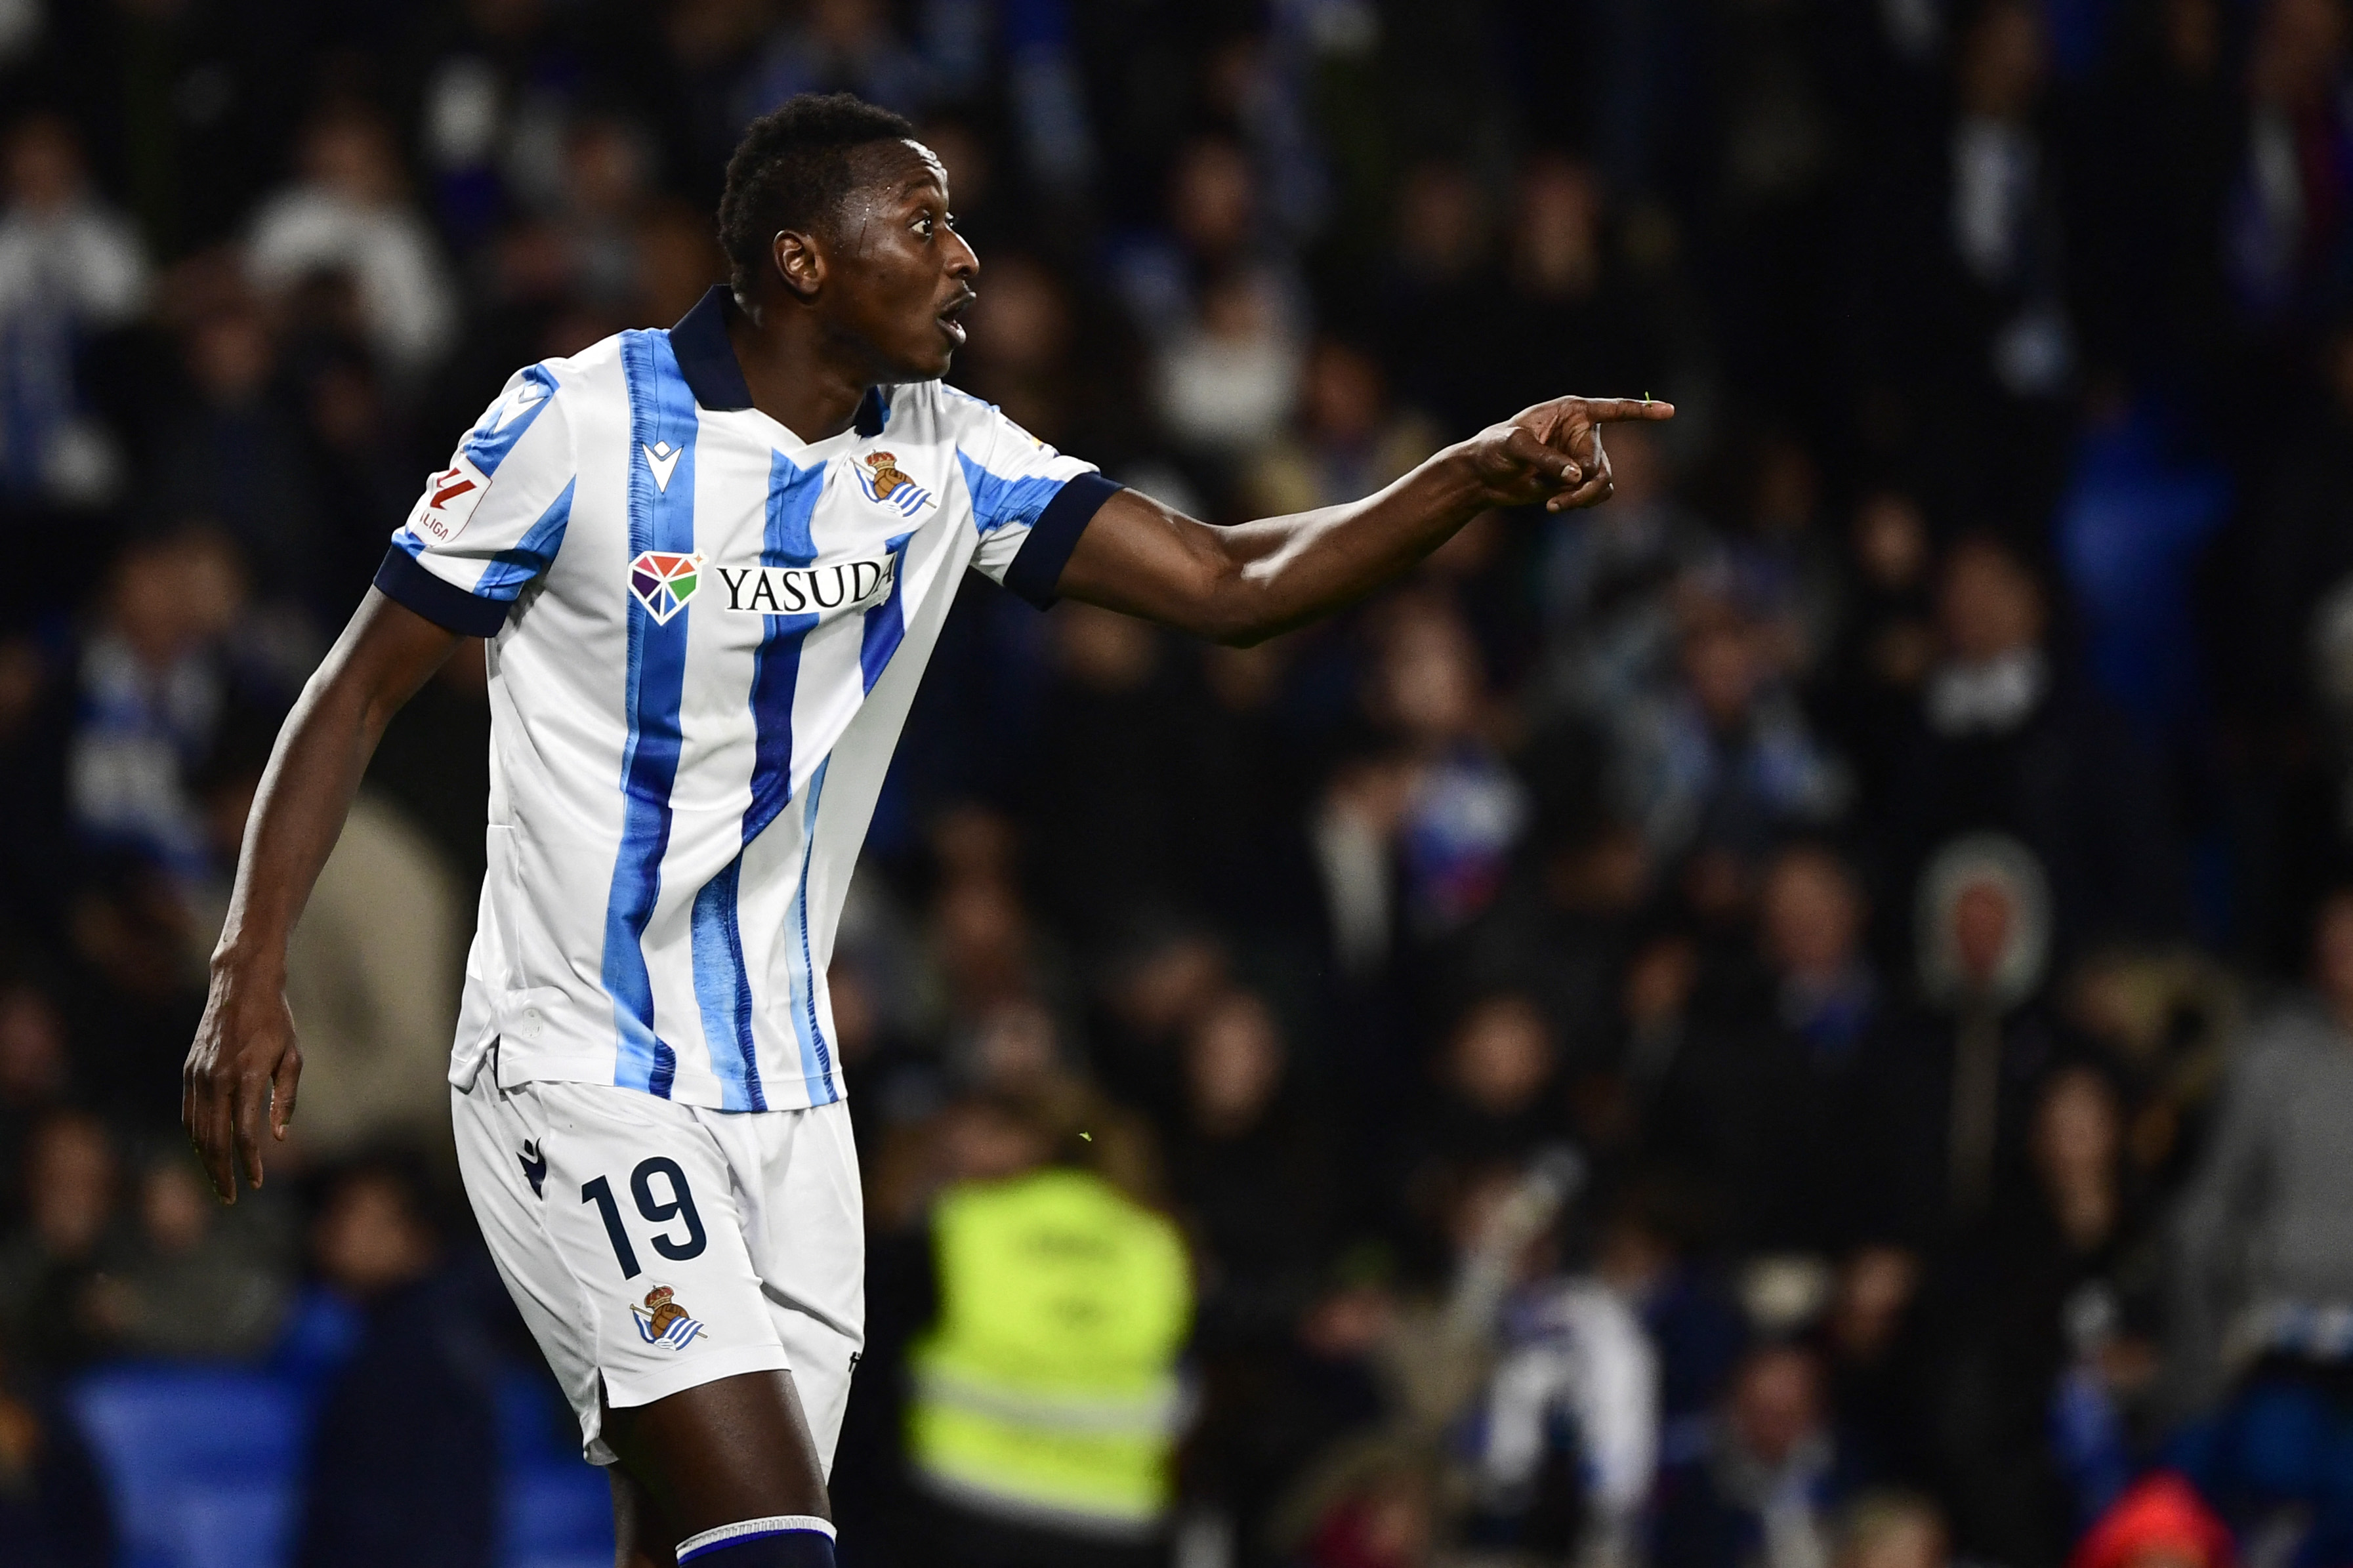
(976, 421)
(599, 359)
(949, 412)
(566, 380)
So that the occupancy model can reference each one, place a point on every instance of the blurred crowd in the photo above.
(1801, 1019)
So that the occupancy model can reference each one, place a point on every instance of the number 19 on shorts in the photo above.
(677, 1204)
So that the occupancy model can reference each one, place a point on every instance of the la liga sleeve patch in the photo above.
(448, 505)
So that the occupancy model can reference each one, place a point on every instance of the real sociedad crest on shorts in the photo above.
(879, 476)
(663, 582)
(662, 1322)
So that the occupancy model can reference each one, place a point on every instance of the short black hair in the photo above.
(792, 170)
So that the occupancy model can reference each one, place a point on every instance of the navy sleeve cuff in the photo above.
(1038, 564)
(445, 605)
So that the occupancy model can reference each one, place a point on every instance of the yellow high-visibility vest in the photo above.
(1048, 1388)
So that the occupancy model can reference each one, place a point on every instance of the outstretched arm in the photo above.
(245, 1059)
(1244, 585)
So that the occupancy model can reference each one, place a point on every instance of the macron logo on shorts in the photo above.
(662, 1322)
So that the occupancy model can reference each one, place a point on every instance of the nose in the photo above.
(964, 261)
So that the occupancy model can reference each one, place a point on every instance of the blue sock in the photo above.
(780, 1541)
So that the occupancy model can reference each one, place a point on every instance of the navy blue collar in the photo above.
(707, 359)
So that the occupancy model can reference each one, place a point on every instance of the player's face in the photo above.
(903, 276)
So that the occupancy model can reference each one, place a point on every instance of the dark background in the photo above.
(1886, 843)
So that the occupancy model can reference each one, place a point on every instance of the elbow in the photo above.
(1232, 610)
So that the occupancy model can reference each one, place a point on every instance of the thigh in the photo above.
(612, 1215)
(804, 1225)
(713, 1455)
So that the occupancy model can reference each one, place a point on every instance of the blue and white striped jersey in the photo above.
(705, 634)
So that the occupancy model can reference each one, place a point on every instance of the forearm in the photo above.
(1288, 571)
(1248, 583)
(314, 770)
(298, 811)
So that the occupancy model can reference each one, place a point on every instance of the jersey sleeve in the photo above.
(1029, 502)
(494, 520)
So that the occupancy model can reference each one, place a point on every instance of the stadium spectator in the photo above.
(1561, 932)
(1767, 1484)
(2286, 245)
(2048, 1281)
(1463, 809)
(1951, 1095)
(1439, 297)
(1610, 586)
(192, 1282)
(35, 1076)
(1251, 1173)
(1563, 1440)
(1499, 1095)
(2015, 742)
(1348, 440)
(1581, 311)
(1248, 1167)
(54, 1295)
(230, 457)
(1041, 1419)
(395, 1468)
(54, 1508)
(2005, 219)
(1764, 1107)
(838, 46)
(1530, 847)
(348, 215)
(157, 680)
(2261, 1260)
(1110, 815)
(1226, 383)
(1868, 686)
(2162, 1518)
(70, 268)
(1723, 760)
(1891, 1530)
(1874, 1342)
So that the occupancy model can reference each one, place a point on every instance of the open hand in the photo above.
(242, 1067)
(1552, 453)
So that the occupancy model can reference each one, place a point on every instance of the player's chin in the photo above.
(927, 357)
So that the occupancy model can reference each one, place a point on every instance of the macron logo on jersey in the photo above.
(661, 457)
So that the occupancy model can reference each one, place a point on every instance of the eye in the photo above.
(923, 224)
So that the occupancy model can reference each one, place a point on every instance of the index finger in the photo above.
(1615, 410)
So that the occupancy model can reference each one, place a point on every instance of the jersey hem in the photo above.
(644, 1388)
(513, 1066)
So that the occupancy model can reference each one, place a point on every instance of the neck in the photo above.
(800, 375)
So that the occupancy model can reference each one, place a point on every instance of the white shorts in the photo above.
(654, 1246)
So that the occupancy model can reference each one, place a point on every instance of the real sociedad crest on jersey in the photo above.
(879, 476)
(662, 1322)
(663, 582)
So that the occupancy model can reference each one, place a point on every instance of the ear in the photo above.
(798, 263)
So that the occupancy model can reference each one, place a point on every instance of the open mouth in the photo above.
(951, 316)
